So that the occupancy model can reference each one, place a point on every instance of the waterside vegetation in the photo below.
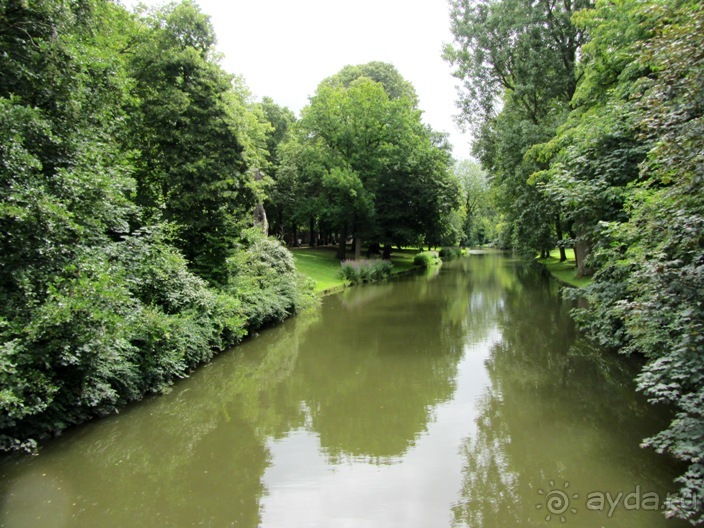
(139, 182)
(589, 122)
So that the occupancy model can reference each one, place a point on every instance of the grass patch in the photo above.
(564, 271)
(321, 265)
(403, 260)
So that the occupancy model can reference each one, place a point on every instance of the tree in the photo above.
(282, 191)
(475, 197)
(646, 297)
(347, 131)
(384, 73)
(517, 63)
(379, 173)
(194, 148)
(97, 306)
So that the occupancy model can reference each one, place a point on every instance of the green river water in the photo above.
(456, 398)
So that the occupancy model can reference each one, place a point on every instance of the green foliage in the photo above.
(365, 271)
(650, 282)
(98, 305)
(450, 253)
(386, 74)
(516, 60)
(427, 259)
(120, 321)
(477, 212)
(195, 133)
(619, 169)
(263, 278)
(362, 163)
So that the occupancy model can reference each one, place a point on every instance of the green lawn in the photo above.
(321, 265)
(564, 271)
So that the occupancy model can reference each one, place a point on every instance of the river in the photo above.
(457, 398)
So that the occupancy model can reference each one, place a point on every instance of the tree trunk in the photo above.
(387, 252)
(342, 244)
(357, 247)
(582, 249)
(558, 229)
(311, 229)
(260, 219)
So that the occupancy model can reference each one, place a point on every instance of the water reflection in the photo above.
(436, 400)
(557, 415)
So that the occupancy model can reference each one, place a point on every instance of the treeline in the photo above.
(139, 181)
(128, 254)
(361, 166)
(588, 119)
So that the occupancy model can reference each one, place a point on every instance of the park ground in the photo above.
(565, 272)
(321, 265)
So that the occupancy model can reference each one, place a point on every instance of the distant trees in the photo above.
(477, 211)
(602, 149)
(363, 165)
(517, 61)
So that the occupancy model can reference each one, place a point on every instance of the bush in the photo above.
(450, 253)
(263, 278)
(427, 259)
(122, 320)
(361, 271)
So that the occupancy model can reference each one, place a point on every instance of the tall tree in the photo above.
(382, 174)
(192, 169)
(281, 193)
(516, 60)
(393, 82)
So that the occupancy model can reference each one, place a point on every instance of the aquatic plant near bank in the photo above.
(361, 271)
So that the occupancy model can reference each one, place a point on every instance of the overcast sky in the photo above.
(284, 48)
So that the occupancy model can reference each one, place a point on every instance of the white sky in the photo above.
(284, 48)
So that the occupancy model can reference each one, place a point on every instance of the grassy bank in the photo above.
(321, 265)
(564, 271)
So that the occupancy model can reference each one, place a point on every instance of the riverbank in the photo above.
(564, 272)
(322, 265)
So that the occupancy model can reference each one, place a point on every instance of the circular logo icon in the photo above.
(557, 501)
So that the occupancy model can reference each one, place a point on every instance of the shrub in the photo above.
(361, 271)
(263, 278)
(120, 321)
(427, 259)
(450, 253)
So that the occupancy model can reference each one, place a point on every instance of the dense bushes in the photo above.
(427, 259)
(98, 305)
(263, 278)
(361, 271)
(128, 319)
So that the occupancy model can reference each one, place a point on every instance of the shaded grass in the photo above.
(321, 265)
(564, 271)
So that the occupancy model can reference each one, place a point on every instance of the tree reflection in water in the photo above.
(558, 414)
